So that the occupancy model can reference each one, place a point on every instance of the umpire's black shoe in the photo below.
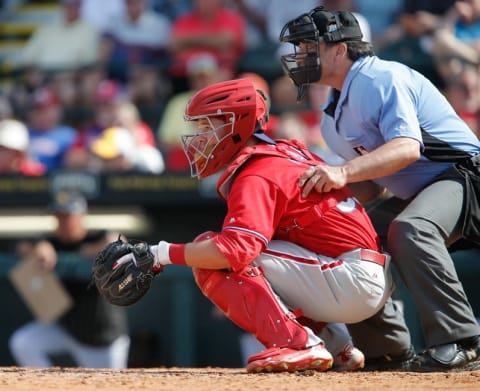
(400, 363)
(462, 355)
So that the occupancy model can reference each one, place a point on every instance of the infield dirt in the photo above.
(203, 379)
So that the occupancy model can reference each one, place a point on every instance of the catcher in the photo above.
(282, 266)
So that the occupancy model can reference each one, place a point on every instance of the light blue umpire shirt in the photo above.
(381, 100)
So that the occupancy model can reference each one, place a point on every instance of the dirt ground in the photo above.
(203, 379)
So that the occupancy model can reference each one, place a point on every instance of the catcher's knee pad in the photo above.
(247, 299)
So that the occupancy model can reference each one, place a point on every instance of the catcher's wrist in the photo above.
(177, 254)
(168, 253)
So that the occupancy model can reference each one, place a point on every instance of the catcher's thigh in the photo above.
(332, 290)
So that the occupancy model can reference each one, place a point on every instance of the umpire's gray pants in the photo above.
(417, 233)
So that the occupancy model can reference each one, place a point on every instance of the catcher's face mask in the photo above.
(225, 115)
(210, 131)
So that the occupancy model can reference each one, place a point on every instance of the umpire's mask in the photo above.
(319, 25)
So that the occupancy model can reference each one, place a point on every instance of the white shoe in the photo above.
(349, 359)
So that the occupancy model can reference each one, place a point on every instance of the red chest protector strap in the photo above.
(288, 149)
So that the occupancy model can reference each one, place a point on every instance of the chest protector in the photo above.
(288, 149)
(291, 225)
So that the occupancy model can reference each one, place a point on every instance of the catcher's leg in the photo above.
(346, 357)
(247, 299)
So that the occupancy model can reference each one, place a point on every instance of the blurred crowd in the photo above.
(104, 88)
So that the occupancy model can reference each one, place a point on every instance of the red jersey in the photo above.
(264, 203)
(223, 22)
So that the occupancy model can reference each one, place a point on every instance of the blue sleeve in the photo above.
(390, 107)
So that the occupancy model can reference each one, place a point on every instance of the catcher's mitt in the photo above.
(123, 283)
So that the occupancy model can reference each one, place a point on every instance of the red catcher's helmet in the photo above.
(243, 112)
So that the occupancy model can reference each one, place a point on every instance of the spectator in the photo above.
(422, 17)
(93, 332)
(283, 95)
(149, 89)
(107, 93)
(6, 110)
(202, 71)
(381, 15)
(13, 150)
(255, 13)
(278, 16)
(291, 126)
(49, 138)
(129, 145)
(25, 86)
(66, 45)
(312, 116)
(89, 81)
(209, 28)
(113, 111)
(171, 8)
(78, 113)
(260, 48)
(127, 116)
(116, 150)
(316, 97)
(301, 121)
(463, 92)
(458, 41)
(139, 36)
(100, 13)
(261, 84)
(410, 39)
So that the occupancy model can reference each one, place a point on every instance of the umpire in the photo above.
(396, 132)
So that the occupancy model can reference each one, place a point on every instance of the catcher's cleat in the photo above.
(349, 359)
(291, 360)
(463, 355)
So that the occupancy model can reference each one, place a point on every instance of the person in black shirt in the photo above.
(93, 333)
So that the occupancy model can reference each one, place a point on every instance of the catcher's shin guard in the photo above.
(247, 299)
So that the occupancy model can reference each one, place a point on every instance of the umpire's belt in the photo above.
(369, 256)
